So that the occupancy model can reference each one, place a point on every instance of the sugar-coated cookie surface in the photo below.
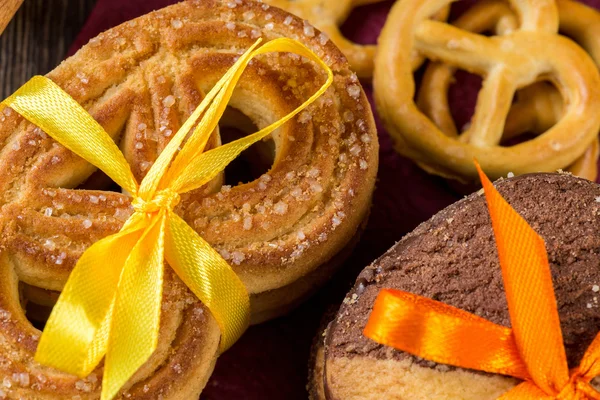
(452, 258)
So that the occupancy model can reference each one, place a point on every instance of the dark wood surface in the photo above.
(38, 38)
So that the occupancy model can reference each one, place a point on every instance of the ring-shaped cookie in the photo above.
(283, 233)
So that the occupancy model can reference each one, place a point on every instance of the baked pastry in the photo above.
(581, 23)
(9, 8)
(452, 258)
(508, 63)
(536, 108)
(328, 16)
(284, 233)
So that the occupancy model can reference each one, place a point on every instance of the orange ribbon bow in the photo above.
(532, 350)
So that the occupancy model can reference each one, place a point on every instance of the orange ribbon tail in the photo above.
(444, 334)
(529, 293)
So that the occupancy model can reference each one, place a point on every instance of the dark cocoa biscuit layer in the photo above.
(452, 258)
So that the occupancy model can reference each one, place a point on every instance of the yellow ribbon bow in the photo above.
(111, 306)
(532, 350)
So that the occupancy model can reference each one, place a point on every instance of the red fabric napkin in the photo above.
(270, 361)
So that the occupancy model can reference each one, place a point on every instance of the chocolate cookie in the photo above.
(452, 258)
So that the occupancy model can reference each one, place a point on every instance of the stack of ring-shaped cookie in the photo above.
(537, 107)
(284, 232)
(508, 62)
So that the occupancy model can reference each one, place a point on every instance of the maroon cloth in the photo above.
(270, 360)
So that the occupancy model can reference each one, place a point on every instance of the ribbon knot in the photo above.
(110, 306)
(578, 388)
(165, 199)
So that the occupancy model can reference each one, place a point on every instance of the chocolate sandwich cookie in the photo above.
(452, 258)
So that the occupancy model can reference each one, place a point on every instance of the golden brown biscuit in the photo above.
(508, 63)
(537, 107)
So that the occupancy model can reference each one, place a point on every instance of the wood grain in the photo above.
(37, 39)
(8, 8)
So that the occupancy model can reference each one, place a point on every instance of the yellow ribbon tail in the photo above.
(76, 335)
(201, 133)
(207, 165)
(214, 104)
(215, 284)
(136, 316)
(45, 104)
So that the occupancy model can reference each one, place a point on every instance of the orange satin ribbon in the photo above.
(532, 350)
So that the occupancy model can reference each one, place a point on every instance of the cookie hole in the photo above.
(460, 7)
(254, 161)
(578, 36)
(100, 181)
(364, 23)
(462, 97)
(463, 89)
(37, 304)
(536, 108)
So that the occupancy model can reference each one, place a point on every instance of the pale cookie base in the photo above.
(362, 378)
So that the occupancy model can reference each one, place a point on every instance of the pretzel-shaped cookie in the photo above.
(284, 233)
(537, 107)
(328, 16)
(508, 63)
(581, 23)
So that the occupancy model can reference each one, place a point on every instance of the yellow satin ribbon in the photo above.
(532, 350)
(111, 302)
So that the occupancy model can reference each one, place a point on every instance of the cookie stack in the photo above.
(284, 232)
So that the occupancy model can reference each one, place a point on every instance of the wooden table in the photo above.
(38, 37)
